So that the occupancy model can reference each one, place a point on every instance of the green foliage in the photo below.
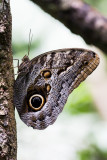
(20, 48)
(94, 3)
(80, 101)
(101, 5)
(92, 153)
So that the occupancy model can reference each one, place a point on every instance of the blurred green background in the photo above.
(80, 133)
(101, 5)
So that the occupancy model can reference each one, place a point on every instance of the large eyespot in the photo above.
(46, 74)
(36, 102)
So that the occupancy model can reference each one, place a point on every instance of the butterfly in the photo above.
(45, 82)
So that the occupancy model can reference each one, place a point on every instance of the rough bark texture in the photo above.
(80, 18)
(7, 119)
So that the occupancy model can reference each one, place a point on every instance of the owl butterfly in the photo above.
(45, 82)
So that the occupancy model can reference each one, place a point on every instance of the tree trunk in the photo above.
(7, 118)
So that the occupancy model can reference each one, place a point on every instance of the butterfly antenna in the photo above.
(30, 41)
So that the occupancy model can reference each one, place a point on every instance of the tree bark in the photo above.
(80, 18)
(7, 118)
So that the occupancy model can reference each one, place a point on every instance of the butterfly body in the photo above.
(45, 82)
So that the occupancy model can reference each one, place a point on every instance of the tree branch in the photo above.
(80, 18)
(7, 119)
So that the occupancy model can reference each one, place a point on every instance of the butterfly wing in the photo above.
(44, 83)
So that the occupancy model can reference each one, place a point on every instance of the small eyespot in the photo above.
(85, 62)
(46, 74)
(36, 102)
(48, 87)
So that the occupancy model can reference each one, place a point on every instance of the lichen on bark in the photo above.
(7, 119)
